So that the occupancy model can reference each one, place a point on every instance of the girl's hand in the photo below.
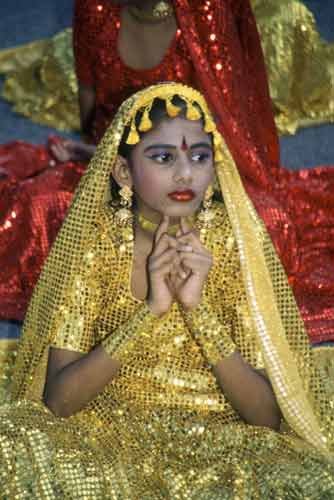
(193, 270)
(69, 150)
(160, 266)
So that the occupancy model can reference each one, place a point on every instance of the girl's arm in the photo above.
(87, 24)
(248, 391)
(87, 108)
(74, 379)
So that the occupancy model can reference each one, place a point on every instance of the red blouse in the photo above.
(99, 65)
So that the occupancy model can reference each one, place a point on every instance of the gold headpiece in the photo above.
(145, 102)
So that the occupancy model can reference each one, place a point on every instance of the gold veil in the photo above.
(279, 330)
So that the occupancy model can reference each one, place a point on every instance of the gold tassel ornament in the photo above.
(192, 112)
(133, 137)
(171, 109)
(145, 123)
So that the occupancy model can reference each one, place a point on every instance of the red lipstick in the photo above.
(184, 195)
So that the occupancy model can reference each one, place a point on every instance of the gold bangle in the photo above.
(119, 342)
(210, 334)
(215, 353)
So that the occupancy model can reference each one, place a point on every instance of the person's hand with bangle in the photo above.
(120, 342)
(210, 333)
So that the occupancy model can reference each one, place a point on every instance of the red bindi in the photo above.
(184, 145)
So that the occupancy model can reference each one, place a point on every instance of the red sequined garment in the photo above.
(216, 49)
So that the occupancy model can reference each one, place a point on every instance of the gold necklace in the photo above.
(151, 227)
(160, 12)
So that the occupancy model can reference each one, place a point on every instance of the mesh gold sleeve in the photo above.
(120, 341)
(213, 336)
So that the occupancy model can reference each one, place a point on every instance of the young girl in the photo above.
(163, 347)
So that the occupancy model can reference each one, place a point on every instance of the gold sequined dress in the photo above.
(163, 428)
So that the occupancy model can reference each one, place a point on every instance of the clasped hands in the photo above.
(177, 268)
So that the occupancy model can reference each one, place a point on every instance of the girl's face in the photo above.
(171, 168)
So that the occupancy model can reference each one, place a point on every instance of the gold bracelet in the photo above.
(210, 333)
(119, 342)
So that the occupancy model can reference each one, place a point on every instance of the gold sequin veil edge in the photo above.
(279, 330)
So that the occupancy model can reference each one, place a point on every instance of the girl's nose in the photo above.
(183, 170)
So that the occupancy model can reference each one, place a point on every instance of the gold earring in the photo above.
(206, 215)
(124, 216)
(207, 202)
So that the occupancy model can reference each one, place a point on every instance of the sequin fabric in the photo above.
(163, 428)
(211, 332)
(292, 47)
(40, 79)
(216, 49)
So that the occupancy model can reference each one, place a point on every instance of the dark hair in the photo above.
(157, 114)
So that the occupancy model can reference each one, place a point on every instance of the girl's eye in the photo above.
(200, 157)
(163, 157)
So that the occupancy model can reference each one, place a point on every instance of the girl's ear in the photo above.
(121, 172)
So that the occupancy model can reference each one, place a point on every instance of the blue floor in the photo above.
(10, 329)
(23, 21)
